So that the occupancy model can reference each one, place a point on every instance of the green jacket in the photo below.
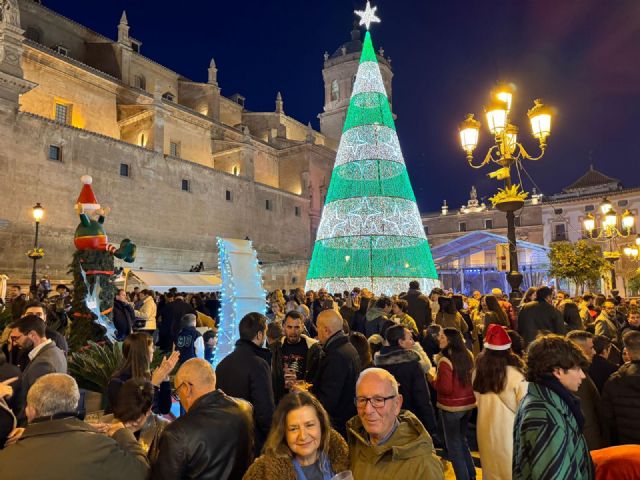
(407, 454)
(547, 441)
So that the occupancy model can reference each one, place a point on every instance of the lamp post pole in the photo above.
(607, 232)
(38, 213)
(505, 152)
(35, 259)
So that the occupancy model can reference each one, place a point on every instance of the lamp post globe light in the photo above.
(605, 230)
(505, 152)
(35, 254)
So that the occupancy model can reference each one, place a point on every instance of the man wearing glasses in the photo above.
(385, 442)
(28, 333)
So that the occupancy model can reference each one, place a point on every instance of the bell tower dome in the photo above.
(339, 73)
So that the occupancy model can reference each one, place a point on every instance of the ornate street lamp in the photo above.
(506, 151)
(607, 232)
(36, 253)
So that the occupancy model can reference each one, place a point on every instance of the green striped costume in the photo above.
(547, 441)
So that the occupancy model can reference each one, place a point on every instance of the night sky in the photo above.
(581, 56)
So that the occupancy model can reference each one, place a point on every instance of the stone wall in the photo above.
(173, 229)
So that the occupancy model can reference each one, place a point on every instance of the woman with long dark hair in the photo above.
(455, 399)
(137, 352)
(499, 387)
(571, 316)
(494, 312)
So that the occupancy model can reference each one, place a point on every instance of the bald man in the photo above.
(214, 439)
(335, 381)
(380, 430)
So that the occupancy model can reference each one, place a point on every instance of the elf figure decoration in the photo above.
(90, 234)
(93, 270)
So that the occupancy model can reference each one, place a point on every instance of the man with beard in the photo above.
(293, 356)
(28, 333)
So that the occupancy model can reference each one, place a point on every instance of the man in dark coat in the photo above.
(172, 313)
(246, 373)
(404, 364)
(588, 393)
(540, 316)
(419, 307)
(57, 445)
(16, 301)
(601, 368)
(335, 382)
(213, 440)
(621, 396)
(123, 315)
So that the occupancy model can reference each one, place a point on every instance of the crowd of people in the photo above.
(323, 385)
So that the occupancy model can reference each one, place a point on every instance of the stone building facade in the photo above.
(177, 162)
(542, 221)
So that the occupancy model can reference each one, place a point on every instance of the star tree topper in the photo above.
(368, 15)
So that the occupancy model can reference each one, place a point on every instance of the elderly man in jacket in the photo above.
(214, 439)
(547, 431)
(380, 431)
(56, 445)
(540, 316)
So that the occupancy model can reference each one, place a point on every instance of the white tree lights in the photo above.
(371, 233)
(242, 291)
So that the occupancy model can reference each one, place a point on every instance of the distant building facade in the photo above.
(178, 162)
(543, 220)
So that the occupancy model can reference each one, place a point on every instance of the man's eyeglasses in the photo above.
(177, 389)
(376, 402)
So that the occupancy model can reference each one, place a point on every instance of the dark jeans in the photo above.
(454, 425)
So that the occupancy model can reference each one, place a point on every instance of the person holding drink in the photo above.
(293, 357)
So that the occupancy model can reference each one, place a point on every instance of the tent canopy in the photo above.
(189, 282)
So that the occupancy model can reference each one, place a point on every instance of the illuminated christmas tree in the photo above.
(370, 233)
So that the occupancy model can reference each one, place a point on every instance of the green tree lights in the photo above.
(371, 233)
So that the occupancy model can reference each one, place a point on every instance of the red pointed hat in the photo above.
(497, 338)
(87, 198)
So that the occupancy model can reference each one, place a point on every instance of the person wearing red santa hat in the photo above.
(499, 386)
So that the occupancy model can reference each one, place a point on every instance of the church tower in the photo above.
(339, 74)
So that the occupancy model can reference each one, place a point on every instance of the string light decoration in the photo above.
(242, 291)
(370, 233)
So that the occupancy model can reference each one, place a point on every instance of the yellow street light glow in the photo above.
(469, 133)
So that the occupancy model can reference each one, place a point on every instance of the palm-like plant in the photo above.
(94, 365)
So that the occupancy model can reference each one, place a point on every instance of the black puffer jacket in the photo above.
(621, 405)
(404, 365)
(212, 441)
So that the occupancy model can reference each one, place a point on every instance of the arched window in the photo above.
(142, 141)
(169, 96)
(335, 91)
(33, 33)
(236, 170)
